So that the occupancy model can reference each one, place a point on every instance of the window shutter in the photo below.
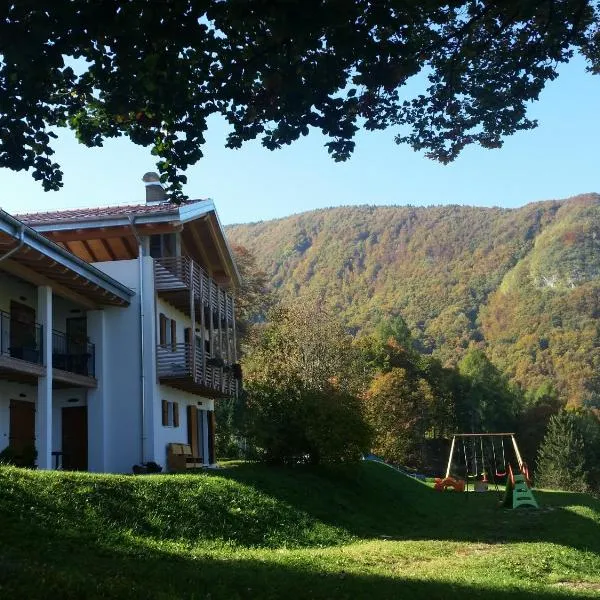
(165, 413)
(163, 330)
(173, 335)
(175, 414)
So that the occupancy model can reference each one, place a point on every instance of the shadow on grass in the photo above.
(42, 564)
(371, 500)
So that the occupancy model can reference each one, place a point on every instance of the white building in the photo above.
(117, 333)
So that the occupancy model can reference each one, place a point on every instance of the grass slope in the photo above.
(254, 532)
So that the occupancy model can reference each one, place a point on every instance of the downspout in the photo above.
(142, 351)
(17, 247)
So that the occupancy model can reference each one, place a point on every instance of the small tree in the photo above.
(561, 458)
(397, 407)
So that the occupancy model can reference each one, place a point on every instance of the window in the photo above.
(163, 245)
(170, 414)
(167, 335)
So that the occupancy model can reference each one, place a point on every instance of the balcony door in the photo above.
(23, 342)
(77, 345)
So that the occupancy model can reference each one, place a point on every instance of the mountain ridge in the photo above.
(450, 270)
(408, 205)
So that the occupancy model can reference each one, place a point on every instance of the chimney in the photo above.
(155, 192)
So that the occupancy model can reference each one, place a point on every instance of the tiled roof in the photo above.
(85, 214)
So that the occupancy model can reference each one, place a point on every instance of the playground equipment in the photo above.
(478, 467)
(518, 492)
(449, 483)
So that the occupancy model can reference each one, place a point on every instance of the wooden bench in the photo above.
(180, 458)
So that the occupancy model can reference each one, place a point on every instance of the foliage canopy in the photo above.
(156, 71)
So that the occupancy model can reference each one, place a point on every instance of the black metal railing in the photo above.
(20, 339)
(73, 354)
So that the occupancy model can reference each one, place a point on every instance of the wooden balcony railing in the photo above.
(181, 366)
(181, 273)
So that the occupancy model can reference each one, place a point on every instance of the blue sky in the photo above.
(560, 158)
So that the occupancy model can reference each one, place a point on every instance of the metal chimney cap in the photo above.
(151, 177)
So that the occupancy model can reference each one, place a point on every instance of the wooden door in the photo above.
(77, 345)
(201, 436)
(74, 438)
(192, 424)
(211, 436)
(21, 435)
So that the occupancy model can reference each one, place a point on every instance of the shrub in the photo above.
(7, 456)
(25, 458)
(293, 424)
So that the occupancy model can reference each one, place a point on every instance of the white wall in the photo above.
(182, 320)
(123, 380)
(62, 310)
(167, 435)
(121, 386)
(18, 290)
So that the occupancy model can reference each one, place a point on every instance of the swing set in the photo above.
(485, 460)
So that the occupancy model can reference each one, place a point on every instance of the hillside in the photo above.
(249, 531)
(522, 283)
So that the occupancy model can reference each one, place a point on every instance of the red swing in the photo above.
(498, 474)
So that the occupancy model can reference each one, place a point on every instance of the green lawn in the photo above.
(249, 531)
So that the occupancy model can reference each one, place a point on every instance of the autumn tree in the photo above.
(397, 407)
(156, 71)
(302, 343)
(300, 383)
(253, 298)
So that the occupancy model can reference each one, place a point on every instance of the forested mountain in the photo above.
(522, 284)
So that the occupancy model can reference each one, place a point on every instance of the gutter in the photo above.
(142, 351)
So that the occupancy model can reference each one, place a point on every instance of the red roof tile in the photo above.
(85, 214)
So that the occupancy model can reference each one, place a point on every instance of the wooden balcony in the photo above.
(183, 367)
(180, 279)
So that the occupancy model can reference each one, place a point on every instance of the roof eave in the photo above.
(33, 239)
